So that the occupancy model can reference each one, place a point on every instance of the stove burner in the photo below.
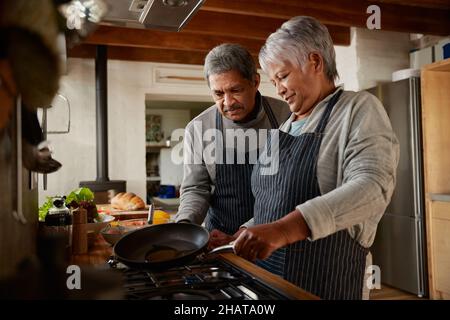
(205, 279)
(219, 276)
(181, 295)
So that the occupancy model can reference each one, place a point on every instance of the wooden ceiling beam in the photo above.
(155, 39)
(141, 54)
(394, 17)
(219, 23)
(184, 40)
(436, 4)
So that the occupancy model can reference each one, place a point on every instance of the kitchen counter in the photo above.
(100, 251)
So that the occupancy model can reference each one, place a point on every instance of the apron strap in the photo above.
(324, 120)
(219, 127)
(269, 112)
(219, 122)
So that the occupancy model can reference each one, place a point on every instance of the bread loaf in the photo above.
(127, 201)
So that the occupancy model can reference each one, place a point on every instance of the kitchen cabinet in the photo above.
(436, 152)
(439, 248)
(18, 233)
(18, 187)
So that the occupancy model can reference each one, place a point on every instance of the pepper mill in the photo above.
(80, 237)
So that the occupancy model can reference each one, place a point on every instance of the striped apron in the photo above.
(232, 201)
(332, 267)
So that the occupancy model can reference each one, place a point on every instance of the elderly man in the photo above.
(315, 220)
(220, 189)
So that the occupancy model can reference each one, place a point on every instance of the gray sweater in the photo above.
(356, 168)
(199, 178)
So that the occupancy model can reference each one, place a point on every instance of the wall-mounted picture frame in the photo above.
(153, 128)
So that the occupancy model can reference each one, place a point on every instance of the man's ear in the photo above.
(316, 61)
(257, 80)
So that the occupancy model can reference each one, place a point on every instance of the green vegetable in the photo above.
(43, 210)
(81, 194)
(81, 197)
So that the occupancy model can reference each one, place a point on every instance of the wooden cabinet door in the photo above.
(17, 230)
(439, 249)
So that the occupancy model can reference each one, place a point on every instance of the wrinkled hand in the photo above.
(260, 241)
(218, 238)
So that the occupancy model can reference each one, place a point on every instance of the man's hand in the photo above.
(218, 238)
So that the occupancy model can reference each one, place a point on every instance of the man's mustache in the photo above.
(232, 108)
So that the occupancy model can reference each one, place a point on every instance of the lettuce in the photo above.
(79, 195)
(83, 197)
(43, 210)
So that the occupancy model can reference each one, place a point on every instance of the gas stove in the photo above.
(208, 279)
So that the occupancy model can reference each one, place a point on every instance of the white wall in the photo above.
(128, 83)
(379, 53)
(75, 150)
(371, 58)
(346, 64)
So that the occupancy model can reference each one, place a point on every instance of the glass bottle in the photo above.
(59, 221)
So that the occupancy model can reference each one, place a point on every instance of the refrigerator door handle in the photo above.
(417, 166)
(416, 145)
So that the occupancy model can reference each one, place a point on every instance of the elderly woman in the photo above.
(316, 218)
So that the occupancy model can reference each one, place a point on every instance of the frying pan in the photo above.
(163, 245)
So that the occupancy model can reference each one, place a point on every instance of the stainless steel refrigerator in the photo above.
(400, 244)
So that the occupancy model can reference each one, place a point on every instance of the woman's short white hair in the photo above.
(295, 40)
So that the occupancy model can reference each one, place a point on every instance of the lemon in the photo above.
(160, 216)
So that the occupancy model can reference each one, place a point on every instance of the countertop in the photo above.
(100, 251)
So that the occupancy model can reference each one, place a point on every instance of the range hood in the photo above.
(169, 15)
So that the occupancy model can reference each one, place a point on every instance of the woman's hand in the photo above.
(260, 241)
(218, 238)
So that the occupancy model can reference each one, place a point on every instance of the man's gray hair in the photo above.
(227, 57)
(295, 40)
